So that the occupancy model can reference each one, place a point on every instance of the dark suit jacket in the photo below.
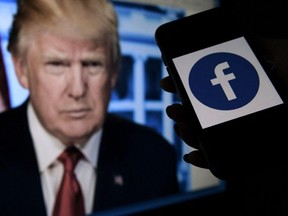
(143, 162)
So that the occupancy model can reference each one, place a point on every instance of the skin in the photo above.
(2, 104)
(70, 83)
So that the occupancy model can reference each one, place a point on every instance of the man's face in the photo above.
(69, 83)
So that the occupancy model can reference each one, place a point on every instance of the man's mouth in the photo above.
(77, 113)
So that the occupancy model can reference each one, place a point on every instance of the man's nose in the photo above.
(78, 84)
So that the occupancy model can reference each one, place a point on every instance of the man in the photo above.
(66, 53)
(4, 91)
(253, 158)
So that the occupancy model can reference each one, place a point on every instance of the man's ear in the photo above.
(114, 77)
(21, 71)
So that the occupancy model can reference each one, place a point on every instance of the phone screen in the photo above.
(225, 82)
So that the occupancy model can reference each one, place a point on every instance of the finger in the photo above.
(196, 158)
(182, 125)
(167, 84)
(187, 134)
(176, 112)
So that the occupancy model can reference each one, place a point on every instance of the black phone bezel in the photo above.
(196, 32)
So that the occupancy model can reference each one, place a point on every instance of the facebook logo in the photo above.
(225, 82)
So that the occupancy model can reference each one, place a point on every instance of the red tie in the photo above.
(69, 200)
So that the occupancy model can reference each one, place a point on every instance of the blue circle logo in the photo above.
(224, 81)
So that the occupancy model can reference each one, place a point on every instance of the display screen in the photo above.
(137, 95)
(225, 82)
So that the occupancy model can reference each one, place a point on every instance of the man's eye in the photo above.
(56, 67)
(93, 67)
(56, 63)
(92, 64)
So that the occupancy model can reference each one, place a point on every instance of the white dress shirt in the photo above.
(48, 149)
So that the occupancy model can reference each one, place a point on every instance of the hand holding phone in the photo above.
(230, 97)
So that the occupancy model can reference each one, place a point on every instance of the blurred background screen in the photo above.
(138, 95)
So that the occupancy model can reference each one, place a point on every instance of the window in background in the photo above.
(138, 92)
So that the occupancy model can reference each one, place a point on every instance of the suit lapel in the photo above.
(112, 174)
(25, 190)
(20, 174)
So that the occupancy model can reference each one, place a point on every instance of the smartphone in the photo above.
(216, 71)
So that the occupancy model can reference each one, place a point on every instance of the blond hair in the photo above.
(83, 19)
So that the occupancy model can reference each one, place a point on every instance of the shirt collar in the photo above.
(48, 147)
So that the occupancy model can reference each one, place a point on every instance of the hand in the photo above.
(249, 147)
(183, 127)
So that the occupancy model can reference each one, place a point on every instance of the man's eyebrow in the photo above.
(54, 54)
(93, 56)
